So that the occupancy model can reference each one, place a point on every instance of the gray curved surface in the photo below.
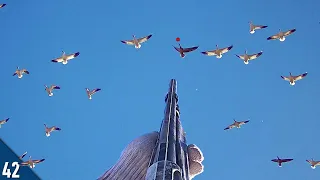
(134, 160)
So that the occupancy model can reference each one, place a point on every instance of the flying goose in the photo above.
(4, 121)
(137, 42)
(23, 155)
(218, 52)
(292, 79)
(236, 124)
(246, 57)
(313, 163)
(280, 161)
(51, 129)
(182, 50)
(20, 72)
(281, 35)
(50, 89)
(65, 57)
(255, 27)
(31, 163)
(2, 5)
(92, 92)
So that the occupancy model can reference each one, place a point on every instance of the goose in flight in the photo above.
(292, 79)
(313, 163)
(182, 50)
(23, 155)
(255, 27)
(2, 5)
(92, 92)
(65, 57)
(4, 121)
(20, 72)
(246, 57)
(50, 89)
(280, 161)
(31, 163)
(137, 41)
(51, 129)
(281, 35)
(236, 124)
(218, 52)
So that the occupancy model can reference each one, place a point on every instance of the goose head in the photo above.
(246, 51)
(134, 36)
(290, 74)
(217, 46)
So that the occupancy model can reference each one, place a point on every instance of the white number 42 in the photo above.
(7, 172)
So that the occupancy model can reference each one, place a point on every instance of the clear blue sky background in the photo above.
(284, 119)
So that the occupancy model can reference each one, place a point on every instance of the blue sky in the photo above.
(284, 119)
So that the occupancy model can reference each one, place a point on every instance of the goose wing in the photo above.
(255, 56)
(289, 32)
(129, 42)
(54, 87)
(25, 71)
(23, 155)
(244, 122)
(190, 49)
(144, 39)
(57, 60)
(176, 48)
(38, 161)
(275, 160)
(25, 163)
(260, 27)
(276, 36)
(230, 127)
(301, 76)
(240, 56)
(285, 78)
(210, 53)
(56, 128)
(2, 5)
(72, 56)
(226, 49)
(95, 90)
(286, 160)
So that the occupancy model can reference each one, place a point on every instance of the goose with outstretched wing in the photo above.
(65, 58)
(31, 163)
(137, 41)
(4, 121)
(218, 52)
(248, 57)
(50, 89)
(51, 129)
(236, 124)
(182, 50)
(281, 35)
(280, 161)
(292, 79)
(20, 72)
(254, 27)
(92, 92)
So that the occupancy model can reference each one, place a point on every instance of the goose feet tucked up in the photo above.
(282, 39)
(138, 46)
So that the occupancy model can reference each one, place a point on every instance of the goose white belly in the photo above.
(219, 56)
(282, 39)
(137, 46)
(64, 62)
(292, 83)
(252, 32)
